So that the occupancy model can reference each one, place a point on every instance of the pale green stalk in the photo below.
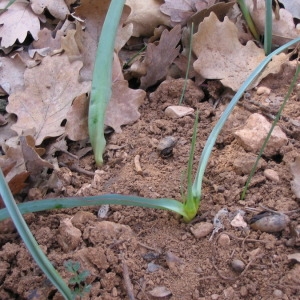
(102, 79)
(292, 85)
(248, 18)
(188, 64)
(268, 27)
(28, 239)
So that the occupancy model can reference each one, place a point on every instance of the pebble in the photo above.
(237, 265)
(176, 112)
(153, 267)
(278, 294)
(202, 229)
(224, 240)
(244, 291)
(263, 90)
(166, 145)
(160, 292)
(271, 175)
(254, 133)
(215, 296)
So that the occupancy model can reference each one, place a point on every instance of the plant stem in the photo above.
(40, 258)
(102, 79)
(268, 27)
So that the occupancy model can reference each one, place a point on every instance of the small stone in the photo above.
(166, 145)
(237, 265)
(114, 292)
(224, 240)
(229, 293)
(176, 112)
(271, 175)
(69, 236)
(153, 267)
(263, 90)
(215, 296)
(244, 291)
(278, 294)
(254, 133)
(160, 292)
(202, 229)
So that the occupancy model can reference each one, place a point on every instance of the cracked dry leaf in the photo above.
(220, 55)
(17, 21)
(146, 16)
(158, 58)
(295, 183)
(43, 104)
(57, 8)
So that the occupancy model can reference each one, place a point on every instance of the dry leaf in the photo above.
(295, 183)
(221, 55)
(158, 58)
(181, 10)
(77, 119)
(145, 16)
(11, 74)
(123, 105)
(284, 28)
(46, 44)
(43, 104)
(57, 8)
(16, 22)
(33, 162)
(13, 166)
(293, 7)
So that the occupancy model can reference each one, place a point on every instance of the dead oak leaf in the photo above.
(57, 8)
(220, 55)
(11, 74)
(181, 10)
(17, 21)
(49, 91)
(158, 58)
(123, 105)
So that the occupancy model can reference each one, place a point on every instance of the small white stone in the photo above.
(263, 90)
(202, 229)
(278, 294)
(271, 175)
(175, 112)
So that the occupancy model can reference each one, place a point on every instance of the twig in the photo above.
(77, 169)
(138, 165)
(127, 281)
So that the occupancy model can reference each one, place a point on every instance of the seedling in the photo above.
(78, 280)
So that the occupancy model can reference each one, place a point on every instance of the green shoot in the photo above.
(38, 255)
(126, 65)
(248, 18)
(102, 79)
(268, 27)
(188, 64)
(291, 87)
(77, 281)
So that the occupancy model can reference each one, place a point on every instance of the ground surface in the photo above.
(156, 246)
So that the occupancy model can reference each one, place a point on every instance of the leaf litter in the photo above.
(48, 52)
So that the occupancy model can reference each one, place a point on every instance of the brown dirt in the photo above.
(156, 246)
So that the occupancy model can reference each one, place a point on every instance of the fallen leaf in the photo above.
(43, 104)
(33, 162)
(181, 10)
(158, 58)
(77, 119)
(294, 256)
(17, 21)
(293, 7)
(123, 105)
(220, 55)
(11, 74)
(57, 8)
(145, 16)
(295, 183)
(283, 28)
(46, 43)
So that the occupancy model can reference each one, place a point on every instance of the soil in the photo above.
(133, 251)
